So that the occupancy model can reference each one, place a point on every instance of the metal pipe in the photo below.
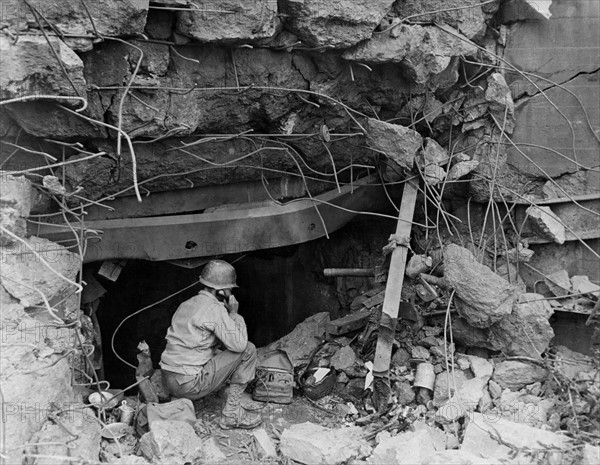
(347, 272)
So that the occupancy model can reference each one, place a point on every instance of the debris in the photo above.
(179, 410)
(15, 206)
(480, 366)
(514, 442)
(212, 453)
(22, 273)
(442, 381)
(266, 447)
(418, 264)
(499, 95)
(482, 297)
(393, 290)
(438, 436)
(401, 357)
(424, 51)
(570, 363)
(54, 436)
(526, 331)
(425, 376)
(583, 285)
(558, 282)
(463, 401)
(459, 457)
(515, 375)
(344, 358)
(405, 448)
(303, 340)
(349, 323)
(398, 143)
(420, 353)
(171, 442)
(460, 169)
(547, 223)
(310, 444)
(405, 393)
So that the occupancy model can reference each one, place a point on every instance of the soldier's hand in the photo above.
(232, 305)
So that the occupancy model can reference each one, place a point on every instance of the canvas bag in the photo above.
(274, 378)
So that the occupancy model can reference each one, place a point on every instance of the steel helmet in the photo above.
(218, 274)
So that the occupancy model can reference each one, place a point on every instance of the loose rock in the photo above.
(265, 443)
(479, 440)
(248, 21)
(483, 297)
(398, 143)
(22, 273)
(405, 448)
(303, 340)
(515, 375)
(310, 444)
(526, 331)
(547, 223)
(344, 358)
(336, 24)
(171, 442)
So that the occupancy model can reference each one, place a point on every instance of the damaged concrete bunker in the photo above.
(405, 193)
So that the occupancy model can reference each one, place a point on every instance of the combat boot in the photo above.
(234, 415)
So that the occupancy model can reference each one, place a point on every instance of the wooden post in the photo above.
(391, 302)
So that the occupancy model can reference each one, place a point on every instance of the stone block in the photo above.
(481, 430)
(515, 375)
(482, 297)
(404, 449)
(339, 24)
(229, 21)
(171, 442)
(400, 144)
(314, 444)
(23, 270)
(423, 51)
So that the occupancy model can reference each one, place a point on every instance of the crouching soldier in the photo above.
(192, 364)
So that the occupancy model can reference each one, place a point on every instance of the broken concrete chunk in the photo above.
(480, 367)
(24, 276)
(433, 153)
(547, 223)
(583, 285)
(171, 442)
(265, 443)
(226, 21)
(314, 444)
(463, 402)
(526, 331)
(424, 51)
(459, 457)
(339, 24)
(515, 375)
(483, 297)
(344, 358)
(212, 453)
(524, 408)
(498, 94)
(468, 18)
(400, 144)
(433, 174)
(528, 443)
(405, 448)
(570, 363)
(52, 439)
(462, 168)
(438, 437)
(303, 340)
(442, 381)
(124, 18)
(29, 67)
(418, 264)
(558, 282)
